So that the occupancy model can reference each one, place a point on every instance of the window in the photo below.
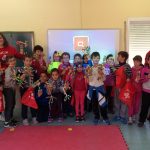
(138, 37)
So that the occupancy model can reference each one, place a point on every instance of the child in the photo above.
(109, 82)
(136, 81)
(27, 74)
(55, 63)
(9, 91)
(79, 88)
(38, 63)
(77, 58)
(145, 92)
(56, 99)
(86, 61)
(96, 89)
(123, 74)
(66, 71)
(42, 98)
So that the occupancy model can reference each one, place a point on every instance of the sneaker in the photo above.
(34, 121)
(60, 120)
(77, 119)
(123, 120)
(25, 122)
(50, 120)
(107, 122)
(2, 118)
(140, 124)
(130, 121)
(82, 118)
(9, 125)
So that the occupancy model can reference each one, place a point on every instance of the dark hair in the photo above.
(147, 57)
(10, 57)
(65, 53)
(77, 55)
(110, 55)
(55, 52)
(124, 54)
(137, 58)
(95, 54)
(5, 44)
(85, 55)
(27, 56)
(38, 47)
(55, 70)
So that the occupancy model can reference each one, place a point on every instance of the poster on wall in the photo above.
(22, 41)
(104, 41)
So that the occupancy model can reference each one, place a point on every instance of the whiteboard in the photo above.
(104, 41)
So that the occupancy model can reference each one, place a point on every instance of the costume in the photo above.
(43, 103)
(38, 65)
(145, 95)
(9, 93)
(30, 78)
(122, 73)
(134, 109)
(56, 99)
(79, 89)
(67, 77)
(53, 65)
(109, 85)
(96, 92)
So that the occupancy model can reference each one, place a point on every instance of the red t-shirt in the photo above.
(8, 51)
(38, 66)
(79, 81)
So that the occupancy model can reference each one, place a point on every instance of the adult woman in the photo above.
(5, 51)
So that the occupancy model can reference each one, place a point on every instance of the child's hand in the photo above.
(128, 80)
(22, 77)
(40, 92)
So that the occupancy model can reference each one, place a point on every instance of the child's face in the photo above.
(65, 58)
(110, 61)
(56, 57)
(39, 53)
(96, 59)
(120, 59)
(79, 69)
(43, 77)
(12, 62)
(55, 75)
(27, 62)
(136, 63)
(85, 59)
(77, 59)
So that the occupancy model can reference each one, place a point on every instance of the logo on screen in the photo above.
(80, 42)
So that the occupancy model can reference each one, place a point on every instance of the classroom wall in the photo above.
(39, 16)
(112, 14)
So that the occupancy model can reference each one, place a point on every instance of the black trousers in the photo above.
(145, 106)
(67, 108)
(9, 94)
(56, 108)
(42, 113)
(24, 111)
(97, 109)
(109, 98)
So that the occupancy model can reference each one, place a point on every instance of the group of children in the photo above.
(62, 89)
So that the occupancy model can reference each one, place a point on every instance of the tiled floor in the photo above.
(136, 138)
